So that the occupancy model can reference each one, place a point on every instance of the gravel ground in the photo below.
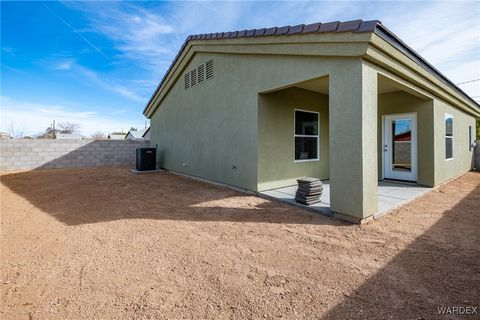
(106, 244)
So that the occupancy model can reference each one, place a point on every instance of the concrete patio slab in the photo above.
(135, 171)
(391, 195)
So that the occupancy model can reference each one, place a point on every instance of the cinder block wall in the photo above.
(24, 154)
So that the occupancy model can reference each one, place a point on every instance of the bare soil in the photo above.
(106, 244)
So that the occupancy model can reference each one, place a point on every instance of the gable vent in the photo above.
(209, 67)
(201, 73)
(187, 80)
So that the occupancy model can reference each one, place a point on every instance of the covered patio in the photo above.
(391, 195)
(374, 151)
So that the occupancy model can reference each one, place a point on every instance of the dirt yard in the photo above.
(106, 244)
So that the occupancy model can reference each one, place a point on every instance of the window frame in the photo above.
(449, 115)
(295, 135)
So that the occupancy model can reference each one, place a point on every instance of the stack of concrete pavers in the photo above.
(309, 190)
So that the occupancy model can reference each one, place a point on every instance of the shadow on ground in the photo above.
(81, 196)
(440, 268)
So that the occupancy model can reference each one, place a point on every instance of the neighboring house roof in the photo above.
(146, 134)
(405, 136)
(4, 135)
(356, 26)
(134, 134)
(117, 136)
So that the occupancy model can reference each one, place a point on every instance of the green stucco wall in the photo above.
(433, 168)
(276, 166)
(210, 130)
(353, 137)
(462, 157)
(403, 102)
(237, 128)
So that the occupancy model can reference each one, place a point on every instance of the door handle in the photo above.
(385, 149)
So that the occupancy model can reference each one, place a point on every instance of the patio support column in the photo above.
(353, 141)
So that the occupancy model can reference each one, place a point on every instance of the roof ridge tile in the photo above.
(296, 29)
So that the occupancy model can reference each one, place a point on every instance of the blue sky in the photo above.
(97, 63)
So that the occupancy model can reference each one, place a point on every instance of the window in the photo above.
(448, 136)
(306, 135)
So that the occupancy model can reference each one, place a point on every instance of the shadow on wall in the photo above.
(440, 268)
(97, 153)
(83, 196)
(54, 154)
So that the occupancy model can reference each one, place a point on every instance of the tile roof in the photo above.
(336, 26)
(356, 26)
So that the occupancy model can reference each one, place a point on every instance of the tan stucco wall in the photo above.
(276, 145)
(402, 102)
(462, 157)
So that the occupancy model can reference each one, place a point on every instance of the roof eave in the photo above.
(373, 26)
(387, 35)
(355, 26)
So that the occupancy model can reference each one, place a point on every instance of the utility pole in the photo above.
(53, 129)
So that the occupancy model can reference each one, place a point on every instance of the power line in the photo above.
(78, 33)
(473, 80)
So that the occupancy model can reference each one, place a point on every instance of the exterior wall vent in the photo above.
(193, 77)
(209, 67)
(201, 73)
(187, 80)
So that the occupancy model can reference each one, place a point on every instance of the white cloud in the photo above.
(138, 34)
(439, 30)
(8, 50)
(86, 75)
(153, 36)
(35, 118)
(107, 83)
(465, 71)
(63, 64)
(93, 78)
(445, 33)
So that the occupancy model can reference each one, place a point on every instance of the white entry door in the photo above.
(400, 147)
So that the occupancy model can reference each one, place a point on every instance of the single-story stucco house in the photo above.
(344, 101)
